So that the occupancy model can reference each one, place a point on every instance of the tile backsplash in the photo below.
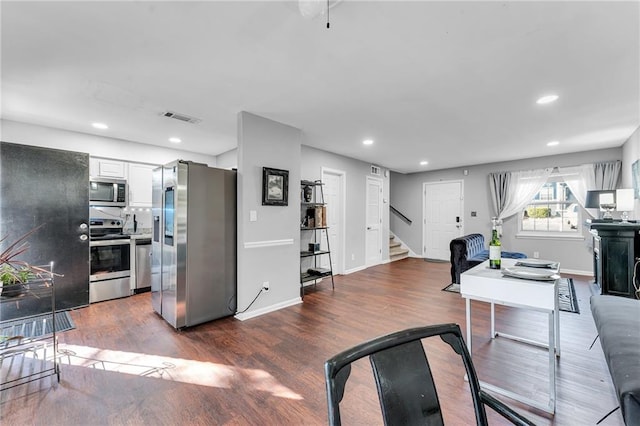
(143, 217)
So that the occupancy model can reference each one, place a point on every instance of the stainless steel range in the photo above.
(110, 260)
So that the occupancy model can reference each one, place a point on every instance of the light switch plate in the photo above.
(253, 216)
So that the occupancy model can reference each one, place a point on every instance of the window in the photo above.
(554, 209)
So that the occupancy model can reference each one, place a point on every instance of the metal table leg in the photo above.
(468, 313)
(493, 320)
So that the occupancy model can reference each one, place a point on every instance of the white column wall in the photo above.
(268, 248)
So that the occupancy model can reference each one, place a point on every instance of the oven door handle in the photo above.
(102, 243)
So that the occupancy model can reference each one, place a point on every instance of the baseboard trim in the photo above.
(268, 309)
(356, 269)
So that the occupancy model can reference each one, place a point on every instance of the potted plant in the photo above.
(14, 273)
(12, 280)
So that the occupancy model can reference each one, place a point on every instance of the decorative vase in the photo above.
(308, 193)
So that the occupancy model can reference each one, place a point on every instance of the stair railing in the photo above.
(400, 215)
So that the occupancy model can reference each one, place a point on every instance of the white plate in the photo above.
(531, 274)
(535, 263)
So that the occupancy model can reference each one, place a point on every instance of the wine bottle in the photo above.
(495, 250)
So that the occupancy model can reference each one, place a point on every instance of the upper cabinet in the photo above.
(140, 181)
(138, 177)
(101, 167)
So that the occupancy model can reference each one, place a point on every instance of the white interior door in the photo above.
(373, 236)
(443, 206)
(334, 197)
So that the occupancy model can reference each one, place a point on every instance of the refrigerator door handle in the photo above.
(156, 229)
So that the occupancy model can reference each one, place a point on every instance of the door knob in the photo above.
(83, 226)
(83, 237)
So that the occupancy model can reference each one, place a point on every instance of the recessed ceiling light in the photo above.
(553, 143)
(175, 140)
(367, 142)
(424, 163)
(547, 99)
(100, 126)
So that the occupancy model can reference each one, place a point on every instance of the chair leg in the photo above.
(505, 411)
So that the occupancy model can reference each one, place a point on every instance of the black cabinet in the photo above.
(616, 247)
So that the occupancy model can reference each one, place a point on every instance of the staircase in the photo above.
(396, 252)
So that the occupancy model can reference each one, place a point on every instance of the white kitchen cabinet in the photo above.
(140, 179)
(102, 167)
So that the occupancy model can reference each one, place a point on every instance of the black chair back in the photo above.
(403, 377)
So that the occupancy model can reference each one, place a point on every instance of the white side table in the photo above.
(489, 285)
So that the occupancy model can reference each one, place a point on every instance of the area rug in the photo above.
(39, 325)
(567, 300)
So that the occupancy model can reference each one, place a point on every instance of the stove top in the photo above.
(98, 223)
(106, 229)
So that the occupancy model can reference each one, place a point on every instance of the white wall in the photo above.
(96, 146)
(406, 196)
(228, 160)
(268, 248)
(313, 160)
(631, 154)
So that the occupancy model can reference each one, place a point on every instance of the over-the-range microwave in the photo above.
(107, 192)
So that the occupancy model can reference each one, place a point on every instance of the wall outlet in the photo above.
(265, 286)
(536, 254)
(353, 256)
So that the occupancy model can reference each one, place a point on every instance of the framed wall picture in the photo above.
(275, 187)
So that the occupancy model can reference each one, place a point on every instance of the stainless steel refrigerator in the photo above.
(193, 250)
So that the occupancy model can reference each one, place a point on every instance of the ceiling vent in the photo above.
(181, 117)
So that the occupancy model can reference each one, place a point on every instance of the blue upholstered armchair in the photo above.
(469, 251)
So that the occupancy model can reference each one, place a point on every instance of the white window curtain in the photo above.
(580, 179)
(607, 174)
(499, 183)
(512, 193)
(589, 177)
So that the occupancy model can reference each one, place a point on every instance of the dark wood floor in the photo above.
(127, 366)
